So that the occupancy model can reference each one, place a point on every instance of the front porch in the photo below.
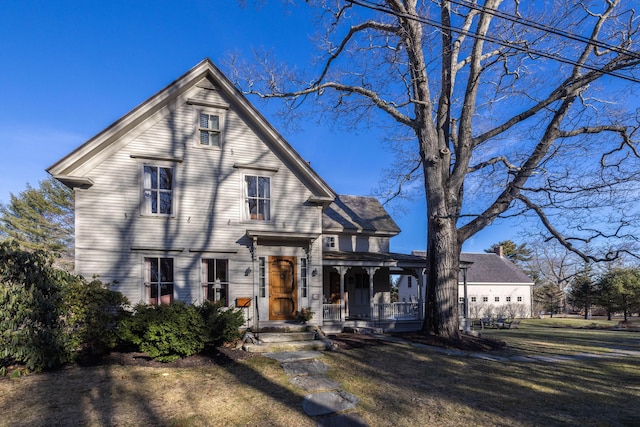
(357, 291)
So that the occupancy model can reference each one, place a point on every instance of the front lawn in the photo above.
(397, 384)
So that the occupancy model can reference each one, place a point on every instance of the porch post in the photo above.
(343, 314)
(420, 292)
(371, 271)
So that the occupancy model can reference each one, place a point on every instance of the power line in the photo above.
(431, 22)
(553, 30)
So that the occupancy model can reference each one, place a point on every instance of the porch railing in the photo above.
(331, 311)
(397, 311)
(383, 311)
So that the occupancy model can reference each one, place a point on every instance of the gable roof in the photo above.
(70, 169)
(490, 268)
(358, 214)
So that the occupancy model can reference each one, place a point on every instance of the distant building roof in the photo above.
(490, 268)
(358, 214)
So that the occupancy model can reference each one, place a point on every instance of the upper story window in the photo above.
(330, 242)
(158, 189)
(209, 127)
(409, 280)
(257, 197)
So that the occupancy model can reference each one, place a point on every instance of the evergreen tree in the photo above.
(583, 293)
(41, 219)
(518, 254)
(619, 290)
(549, 297)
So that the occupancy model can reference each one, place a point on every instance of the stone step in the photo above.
(269, 337)
(275, 347)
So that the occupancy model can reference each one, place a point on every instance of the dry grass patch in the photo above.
(252, 392)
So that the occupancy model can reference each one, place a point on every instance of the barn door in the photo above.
(283, 292)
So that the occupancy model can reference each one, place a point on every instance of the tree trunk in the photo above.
(443, 259)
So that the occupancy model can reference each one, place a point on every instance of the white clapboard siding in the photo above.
(113, 236)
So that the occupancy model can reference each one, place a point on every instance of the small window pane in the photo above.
(221, 270)
(166, 269)
(215, 139)
(214, 122)
(204, 137)
(166, 178)
(204, 120)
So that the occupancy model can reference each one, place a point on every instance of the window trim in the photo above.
(205, 283)
(147, 284)
(245, 214)
(144, 211)
(221, 127)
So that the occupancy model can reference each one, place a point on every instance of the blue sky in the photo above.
(71, 68)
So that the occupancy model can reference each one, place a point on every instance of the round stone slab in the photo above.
(328, 403)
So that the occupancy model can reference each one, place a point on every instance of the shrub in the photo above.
(94, 314)
(166, 332)
(222, 324)
(31, 309)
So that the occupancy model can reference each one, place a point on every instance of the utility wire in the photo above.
(553, 30)
(431, 22)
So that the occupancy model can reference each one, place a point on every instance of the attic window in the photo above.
(330, 242)
(209, 130)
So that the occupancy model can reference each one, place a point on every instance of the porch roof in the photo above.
(372, 259)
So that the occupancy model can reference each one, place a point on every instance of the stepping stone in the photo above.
(352, 419)
(305, 367)
(314, 383)
(292, 356)
(328, 403)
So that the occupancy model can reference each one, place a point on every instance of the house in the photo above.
(496, 287)
(194, 196)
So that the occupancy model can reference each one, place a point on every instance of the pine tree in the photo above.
(41, 218)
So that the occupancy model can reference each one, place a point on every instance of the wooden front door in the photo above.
(283, 290)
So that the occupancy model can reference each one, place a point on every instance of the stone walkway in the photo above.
(326, 403)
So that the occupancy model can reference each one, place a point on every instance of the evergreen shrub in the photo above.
(165, 332)
(222, 324)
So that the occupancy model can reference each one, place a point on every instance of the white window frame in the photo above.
(199, 129)
(330, 242)
(508, 299)
(485, 299)
(474, 299)
(146, 188)
(519, 299)
(148, 283)
(219, 286)
(246, 214)
(496, 299)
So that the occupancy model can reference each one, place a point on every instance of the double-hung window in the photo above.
(215, 279)
(257, 197)
(159, 280)
(209, 129)
(158, 188)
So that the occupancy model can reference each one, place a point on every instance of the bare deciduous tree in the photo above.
(511, 109)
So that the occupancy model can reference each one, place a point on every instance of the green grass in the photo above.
(397, 384)
(565, 337)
